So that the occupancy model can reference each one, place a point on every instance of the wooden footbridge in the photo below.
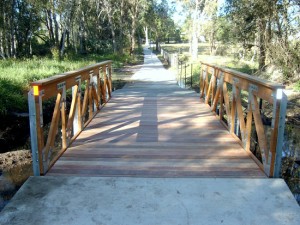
(154, 153)
(152, 127)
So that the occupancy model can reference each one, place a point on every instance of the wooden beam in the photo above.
(262, 140)
(53, 126)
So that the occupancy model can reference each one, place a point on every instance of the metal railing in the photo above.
(184, 70)
(87, 90)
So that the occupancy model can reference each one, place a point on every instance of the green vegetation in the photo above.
(297, 86)
(229, 60)
(16, 74)
(262, 38)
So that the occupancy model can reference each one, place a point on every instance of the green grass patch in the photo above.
(227, 60)
(16, 74)
(297, 86)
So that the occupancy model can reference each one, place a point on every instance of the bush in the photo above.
(12, 98)
(297, 86)
(55, 53)
(16, 75)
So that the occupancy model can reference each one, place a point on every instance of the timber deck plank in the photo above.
(156, 129)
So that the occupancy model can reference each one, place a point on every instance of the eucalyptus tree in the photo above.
(136, 9)
(30, 26)
(268, 24)
(209, 23)
(158, 20)
(19, 20)
(195, 13)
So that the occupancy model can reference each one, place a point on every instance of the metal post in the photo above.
(76, 117)
(107, 77)
(185, 75)
(33, 134)
(191, 75)
(236, 122)
(180, 73)
(281, 126)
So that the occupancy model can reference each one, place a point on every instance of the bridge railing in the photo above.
(171, 58)
(238, 100)
(78, 96)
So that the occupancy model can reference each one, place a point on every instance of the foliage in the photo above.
(297, 86)
(270, 29)
(39, 27)
(162, 26)
(16, 74)
(264, 33)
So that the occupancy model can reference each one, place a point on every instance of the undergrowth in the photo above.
(297, 86)
(16, 74)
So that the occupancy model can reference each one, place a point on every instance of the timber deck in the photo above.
(153, 128)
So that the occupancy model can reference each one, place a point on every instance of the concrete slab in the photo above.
(99, 200)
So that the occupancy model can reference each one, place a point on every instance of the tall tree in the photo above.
(195, 14)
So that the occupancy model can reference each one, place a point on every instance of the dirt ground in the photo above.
(15, 168)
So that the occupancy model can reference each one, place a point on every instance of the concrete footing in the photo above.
(121, 200)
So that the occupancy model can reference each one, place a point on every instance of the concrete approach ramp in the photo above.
(152, 201)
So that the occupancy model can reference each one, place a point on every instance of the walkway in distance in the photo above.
(153, 128)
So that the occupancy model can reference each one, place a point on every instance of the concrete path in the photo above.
(151, 201)
(152, 63)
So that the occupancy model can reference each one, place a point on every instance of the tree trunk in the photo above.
(56, 27)
(262, 46)
(82, 48)
(113, 34)
(146, 36)
(194, 39)
(62, 44)
(12, 30)
(49, 24)
(134, 17)
(133, 34)
(121, 35)
(2, 53)
(194, 47)
(108, 10)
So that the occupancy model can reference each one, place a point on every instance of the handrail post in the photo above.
(110, 78)
(33, 133)
(185, 75)
(180, 73)
(278, 125)
(191, 75)
(77, 121)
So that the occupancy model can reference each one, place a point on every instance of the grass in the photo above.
(16, 75)
(297, 86)
(226, 59)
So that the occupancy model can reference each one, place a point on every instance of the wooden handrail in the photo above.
(90, 86)
(246, 76)
(214, 89)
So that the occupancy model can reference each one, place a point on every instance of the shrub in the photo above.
(297, 86)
